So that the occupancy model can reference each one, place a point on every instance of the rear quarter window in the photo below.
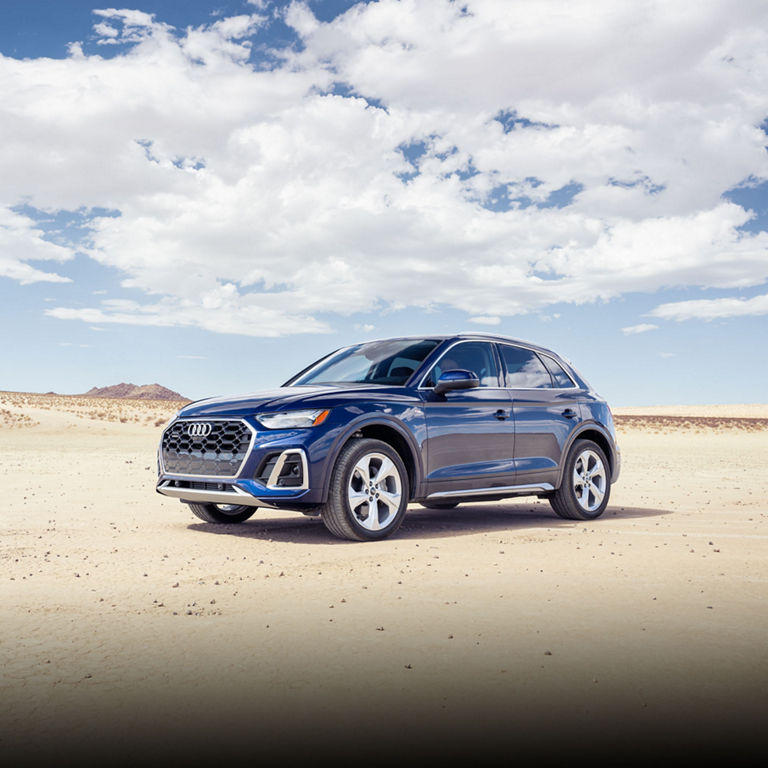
(560, 378)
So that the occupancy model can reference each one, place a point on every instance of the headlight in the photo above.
(293, 419)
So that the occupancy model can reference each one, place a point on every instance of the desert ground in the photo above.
(133, 631)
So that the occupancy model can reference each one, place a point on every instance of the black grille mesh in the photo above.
(219, 454)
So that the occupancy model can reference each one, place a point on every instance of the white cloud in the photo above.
(253, 200)
(239, 316)
(485, 320)
(21, 241)
(712, 309)
(125, 26)
(640, 328)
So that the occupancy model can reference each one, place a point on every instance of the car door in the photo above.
(470, 433)
(545, 415)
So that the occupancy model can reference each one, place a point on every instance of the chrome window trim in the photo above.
(214, 477)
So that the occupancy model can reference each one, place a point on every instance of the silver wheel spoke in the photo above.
(597, 470)
(386, 470)
(372, 522)
(356, 498)
(362, 470)
(392, 500)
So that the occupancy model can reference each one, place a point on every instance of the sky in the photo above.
(211, 195)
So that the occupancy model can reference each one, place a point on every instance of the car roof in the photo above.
(468, 336)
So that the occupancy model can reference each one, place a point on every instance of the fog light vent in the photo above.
(286, 470)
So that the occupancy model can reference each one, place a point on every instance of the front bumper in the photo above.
(235, 496)
(275, 470)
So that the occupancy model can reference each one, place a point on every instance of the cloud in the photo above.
(485, 320)
(641, 328)
(712, 309)
(21, 241)
(125, 26)
(237, 315)
(383, 162)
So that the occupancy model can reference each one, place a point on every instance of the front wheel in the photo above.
(585, 488)
(222, 513)
(368, 493)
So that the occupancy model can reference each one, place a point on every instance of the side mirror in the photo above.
(456, 379)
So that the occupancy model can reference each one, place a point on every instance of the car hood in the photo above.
(286, 398)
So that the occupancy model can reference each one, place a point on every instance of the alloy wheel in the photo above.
(374, 491)
(589, 480)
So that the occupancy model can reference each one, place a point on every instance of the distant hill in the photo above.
(134, 392)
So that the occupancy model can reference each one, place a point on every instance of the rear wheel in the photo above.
(586, 486)
(368, 494)
(222, 513)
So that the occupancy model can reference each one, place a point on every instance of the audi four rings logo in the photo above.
(199, 430)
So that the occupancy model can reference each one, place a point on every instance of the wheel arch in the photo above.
(388, 431)
(591, 431)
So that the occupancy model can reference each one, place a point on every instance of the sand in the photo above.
(132, 630)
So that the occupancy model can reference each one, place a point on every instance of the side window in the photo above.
(476, 356)
(559, 377)
(524, 368)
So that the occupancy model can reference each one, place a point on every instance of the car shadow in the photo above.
(420, 523)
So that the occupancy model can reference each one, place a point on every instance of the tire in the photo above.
(368, 492)
(439, 504)
(576, 499)
(222, 513)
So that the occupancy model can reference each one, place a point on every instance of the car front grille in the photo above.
(213, 449)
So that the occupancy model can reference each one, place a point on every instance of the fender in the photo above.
(368, 420)
(588, 426)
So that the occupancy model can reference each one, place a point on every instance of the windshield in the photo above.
(378, 362)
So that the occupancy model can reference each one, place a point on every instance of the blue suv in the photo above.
(359, 434)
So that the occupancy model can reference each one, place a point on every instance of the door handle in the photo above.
(569, 413)
(501, 414)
